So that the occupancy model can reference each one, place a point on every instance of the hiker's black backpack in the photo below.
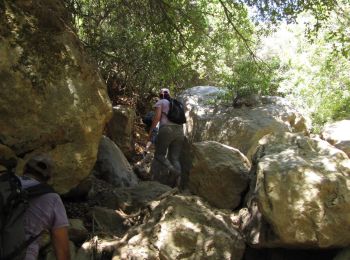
(176, 112)
(13, 204)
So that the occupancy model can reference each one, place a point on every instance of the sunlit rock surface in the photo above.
(52, 97)
(182, 227)
(241, 128)
(338, 134)
(219, 174)
(303, 191)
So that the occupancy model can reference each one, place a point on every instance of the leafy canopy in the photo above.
(143, 45)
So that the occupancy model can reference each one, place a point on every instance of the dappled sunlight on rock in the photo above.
(303, 191)
(312, 177)
(96, 247)
(242, 128)
(73, 92)
(186, 228)
(63, 101)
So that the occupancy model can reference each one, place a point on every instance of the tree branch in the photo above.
(173, 24)
(228, 15)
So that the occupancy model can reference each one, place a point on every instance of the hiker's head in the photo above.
(164, 93)
(40, 167)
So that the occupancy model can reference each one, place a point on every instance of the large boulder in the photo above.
(120, 128)
(338, 134)
(241, 128)
(112, 166)
(302, 191)
(182, 227)
(52, 97)
(219, 174)
(129, 199)
(108, 221)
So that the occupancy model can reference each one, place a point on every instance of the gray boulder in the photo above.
(302, 193)
(130, 199)
(112, 166)
(210, 119)
(219, 174)
(181, 227)
(108, 221)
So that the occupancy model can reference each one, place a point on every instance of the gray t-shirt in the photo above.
(164, 104)
(45, 212)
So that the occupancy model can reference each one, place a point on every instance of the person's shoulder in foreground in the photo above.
(45, 211)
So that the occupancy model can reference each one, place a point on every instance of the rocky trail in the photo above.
(256, 184)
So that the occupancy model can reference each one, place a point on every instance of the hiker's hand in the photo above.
(148, 145)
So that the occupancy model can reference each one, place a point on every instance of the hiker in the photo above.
(168, 143)
(45, 212)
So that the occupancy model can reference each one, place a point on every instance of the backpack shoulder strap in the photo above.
(39, 189)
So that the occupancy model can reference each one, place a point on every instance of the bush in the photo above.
(254, 77)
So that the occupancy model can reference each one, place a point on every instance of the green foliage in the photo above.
(338, 28)
(143, 45)
(316, 77)
(323, 11)
(254, 77)
(331, 97)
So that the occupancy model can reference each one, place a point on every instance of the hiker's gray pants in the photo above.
(167, 154)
